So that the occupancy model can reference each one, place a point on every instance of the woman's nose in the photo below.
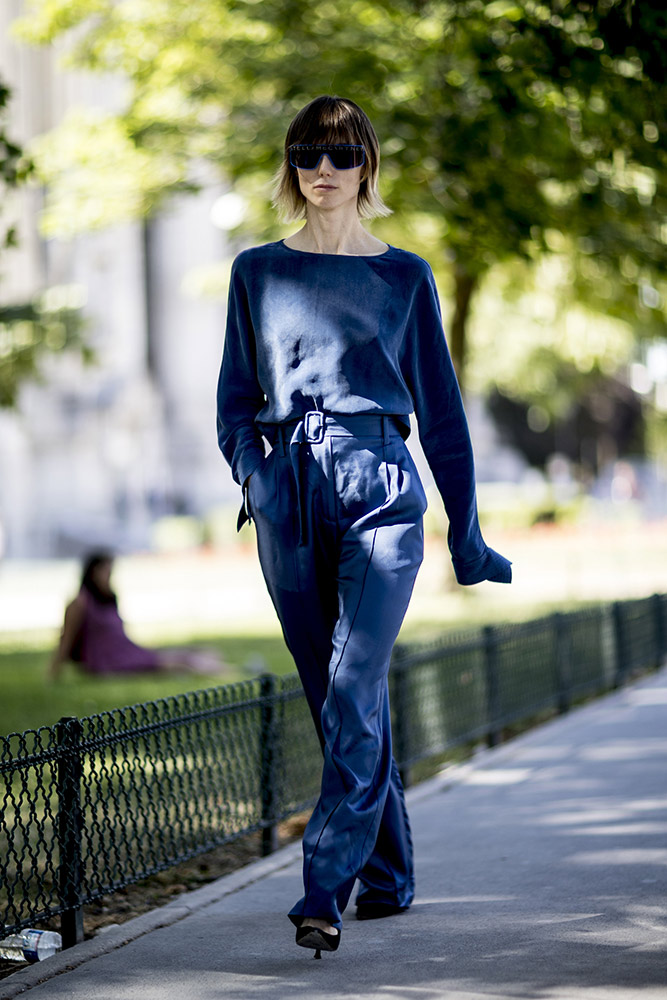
(325, 165)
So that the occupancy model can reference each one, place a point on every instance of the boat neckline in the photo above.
(315, 253)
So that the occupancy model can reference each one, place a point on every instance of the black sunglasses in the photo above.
(343, 155)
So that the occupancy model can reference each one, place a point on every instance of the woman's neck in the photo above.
(334, 233)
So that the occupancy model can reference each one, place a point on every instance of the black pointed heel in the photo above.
(313, 937)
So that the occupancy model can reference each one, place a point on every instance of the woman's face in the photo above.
(326, 188)
(102, 576)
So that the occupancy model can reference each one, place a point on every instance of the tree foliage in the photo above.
(13, 169)
(28, 330)
(508, 129)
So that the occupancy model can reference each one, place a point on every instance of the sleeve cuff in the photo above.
(489, 566)
(249, 461)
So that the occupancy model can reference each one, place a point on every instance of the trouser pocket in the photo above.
(271, 502)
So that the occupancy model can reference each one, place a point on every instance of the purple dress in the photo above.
(102, 646)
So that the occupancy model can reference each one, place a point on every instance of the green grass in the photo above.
(554, 569)
(28, 700)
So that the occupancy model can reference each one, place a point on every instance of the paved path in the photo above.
(541, 868)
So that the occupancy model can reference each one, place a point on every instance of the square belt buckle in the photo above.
(314, 426)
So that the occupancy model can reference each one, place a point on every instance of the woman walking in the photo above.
(333, 339)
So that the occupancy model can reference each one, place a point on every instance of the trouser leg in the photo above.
(308, 618)
(301, 580)
(342, 648)
(377, 570)
(388, 875)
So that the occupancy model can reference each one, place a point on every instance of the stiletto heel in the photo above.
(313, 937)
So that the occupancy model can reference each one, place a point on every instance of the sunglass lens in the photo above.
(306, 158)
(346, 157)
(343, 157)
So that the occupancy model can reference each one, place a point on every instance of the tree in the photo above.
(545, 137)
(510, 129)
(27, 329)
(12, 168)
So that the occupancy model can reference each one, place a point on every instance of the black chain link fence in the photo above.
(91, 805)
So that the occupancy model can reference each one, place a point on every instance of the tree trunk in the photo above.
(465, 285)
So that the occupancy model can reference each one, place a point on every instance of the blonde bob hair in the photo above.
(327, 120)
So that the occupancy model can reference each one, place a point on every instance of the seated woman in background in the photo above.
(93, 634)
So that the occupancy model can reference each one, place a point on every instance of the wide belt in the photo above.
(315, 425)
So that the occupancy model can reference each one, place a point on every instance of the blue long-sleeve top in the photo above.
(349, 334)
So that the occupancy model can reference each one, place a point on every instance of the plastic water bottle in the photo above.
(30, 946)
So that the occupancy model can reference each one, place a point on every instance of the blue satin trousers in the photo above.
(338, 507)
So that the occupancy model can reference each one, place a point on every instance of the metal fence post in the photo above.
(70, 870)
(619, 642)
(562, 655)
(494, 735)
(401, 733)
(267, 691)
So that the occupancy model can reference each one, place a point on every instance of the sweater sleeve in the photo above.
(240, 396)
(443, 432)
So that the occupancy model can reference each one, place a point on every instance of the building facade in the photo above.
(94, 453)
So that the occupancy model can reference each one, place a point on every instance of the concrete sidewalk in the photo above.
(541, 873)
